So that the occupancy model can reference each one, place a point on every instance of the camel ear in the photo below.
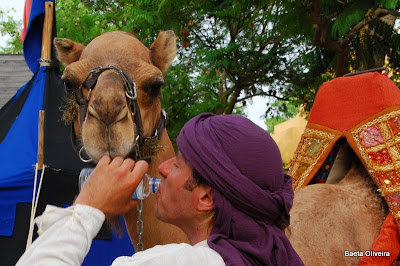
(163, 50)
(68, 51)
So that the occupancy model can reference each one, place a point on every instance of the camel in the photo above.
(109, 123)
(341, 212)
(328, 219)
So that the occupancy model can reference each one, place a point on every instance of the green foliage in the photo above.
(390, 4)
(288, 111)
(347, 14)
(80, 21)
(366, 48)
(232, 50)
(11, 28)
(348, 17)
(183, 100)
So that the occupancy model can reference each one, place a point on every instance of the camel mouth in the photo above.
(119, 139)
(95, 154)
(147, 150)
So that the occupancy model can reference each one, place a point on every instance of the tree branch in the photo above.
(379, 12)
(222, 78)
(392, 12)
(233, 101)
(203, 39)
(261, 94)
(190, 10)
(226, 94)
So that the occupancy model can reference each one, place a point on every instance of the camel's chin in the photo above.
(96, 154)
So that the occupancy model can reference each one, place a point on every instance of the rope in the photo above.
(34, 204)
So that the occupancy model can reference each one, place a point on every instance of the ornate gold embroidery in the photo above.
(379, 146)
(312, 145)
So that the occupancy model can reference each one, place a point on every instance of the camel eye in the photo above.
(153, 88)
(68, 84)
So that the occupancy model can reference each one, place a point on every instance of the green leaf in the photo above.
(389, 4)
(349, 17)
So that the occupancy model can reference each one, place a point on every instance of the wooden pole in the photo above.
(47, 34)
(40, 140)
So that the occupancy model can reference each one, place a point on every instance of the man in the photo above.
(225, 189)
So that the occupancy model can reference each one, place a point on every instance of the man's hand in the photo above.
(111, 185)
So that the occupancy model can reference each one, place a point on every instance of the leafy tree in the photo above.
(288, 111)
(359, 32)
(240, 46)
(233, 50)
(350, 35)
(10, 27)
(229, 51)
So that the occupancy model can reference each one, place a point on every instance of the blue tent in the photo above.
(18, 155)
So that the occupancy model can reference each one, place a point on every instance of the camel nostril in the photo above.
(92, 112)
(122, 114)
(107, 116)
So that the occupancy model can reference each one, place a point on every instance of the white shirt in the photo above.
(66, 236)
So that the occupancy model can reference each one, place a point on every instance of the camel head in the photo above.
(118, 80)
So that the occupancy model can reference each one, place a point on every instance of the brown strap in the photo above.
(82, 110)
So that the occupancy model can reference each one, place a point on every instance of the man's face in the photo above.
(175, 203)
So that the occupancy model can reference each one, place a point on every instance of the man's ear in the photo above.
(163, 50)
(68, 51)
(206, 202)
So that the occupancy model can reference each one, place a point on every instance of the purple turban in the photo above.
(251, 193)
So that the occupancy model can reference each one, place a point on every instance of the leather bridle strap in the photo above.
(156, 136)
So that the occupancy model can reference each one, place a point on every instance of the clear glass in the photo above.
(148, 185)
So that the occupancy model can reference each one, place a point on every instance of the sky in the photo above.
(254, 111)
(18, 5)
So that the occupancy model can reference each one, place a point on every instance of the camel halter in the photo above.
(130, 91)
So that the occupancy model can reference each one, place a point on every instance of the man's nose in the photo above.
(165, 168)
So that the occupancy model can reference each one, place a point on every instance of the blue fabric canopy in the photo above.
(18, 154)
(18, 150)
(33, 39)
